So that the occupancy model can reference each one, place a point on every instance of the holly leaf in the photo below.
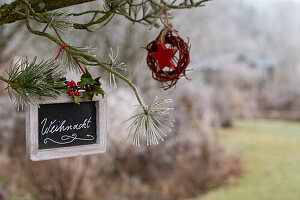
(97, 80)
(76, 99)
(86, 75)
(98, 90)
(86, 81)
(88, 95)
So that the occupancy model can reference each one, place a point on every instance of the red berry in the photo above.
(68, 83)
(70, 93)
(68, 87)
(78, 94)
(89, 88)
(77, 83)
(72, 82)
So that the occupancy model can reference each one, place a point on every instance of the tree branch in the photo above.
(13, 12)
(98, 21)
(9, 82)
(73, 52)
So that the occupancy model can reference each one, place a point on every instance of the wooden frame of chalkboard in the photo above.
(36, 150)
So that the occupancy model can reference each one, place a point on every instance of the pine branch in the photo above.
(98, 21)
(71, 60)
(152, 123)
(114, 65)
(28, 10)
(12, 12)
(61, 21)
(183, 5)
(32, 81)
(137, 11)
(112, 4)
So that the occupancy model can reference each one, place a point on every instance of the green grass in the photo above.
(271, 152)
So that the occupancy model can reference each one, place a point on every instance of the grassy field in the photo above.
(271, 151)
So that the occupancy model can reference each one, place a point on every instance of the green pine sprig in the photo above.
(111, 4)
(32, 81)
(70, 60)
(152, 122)
(115, 66)
(61, 21)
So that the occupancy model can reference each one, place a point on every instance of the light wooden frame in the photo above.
(34, 153)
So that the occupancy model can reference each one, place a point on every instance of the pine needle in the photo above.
(70, 60)
(61, 21)
(152, 123)
(32, 81)
(115, 66)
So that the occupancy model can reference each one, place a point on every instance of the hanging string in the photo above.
(80, 66)
(168, 27)
(60, 50)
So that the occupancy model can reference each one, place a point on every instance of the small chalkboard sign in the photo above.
(60, 128)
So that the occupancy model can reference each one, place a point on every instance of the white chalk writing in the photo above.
(50, 127)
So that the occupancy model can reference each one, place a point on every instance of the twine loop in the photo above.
(168, 26)
(77, 62)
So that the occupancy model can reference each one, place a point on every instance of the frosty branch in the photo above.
(13, 12)
(140, 11)
(71, 50)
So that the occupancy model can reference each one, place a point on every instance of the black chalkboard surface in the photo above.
(67, 124)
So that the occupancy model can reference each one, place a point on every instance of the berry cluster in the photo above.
(75, 89)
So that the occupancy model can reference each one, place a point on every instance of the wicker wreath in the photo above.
(169, 77)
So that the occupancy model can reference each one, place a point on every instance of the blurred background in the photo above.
(237, 130)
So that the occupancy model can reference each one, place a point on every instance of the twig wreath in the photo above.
(168, 50)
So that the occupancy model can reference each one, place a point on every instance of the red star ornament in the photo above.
(164, 56)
